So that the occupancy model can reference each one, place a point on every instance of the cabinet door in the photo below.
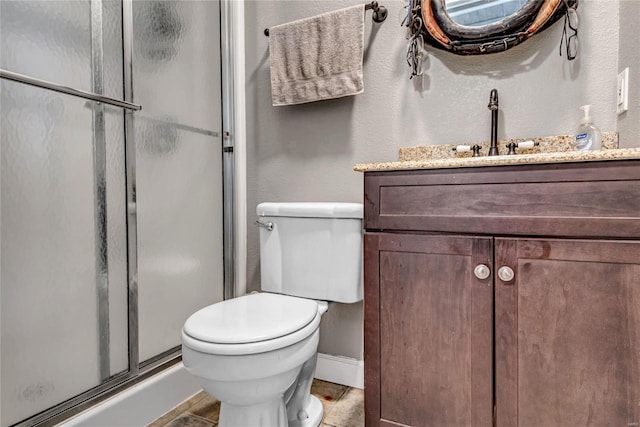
(568, 333)
(428, 341)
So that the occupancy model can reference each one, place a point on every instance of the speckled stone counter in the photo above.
(556, 149)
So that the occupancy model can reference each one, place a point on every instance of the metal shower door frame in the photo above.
(108, 383)
(136, 372)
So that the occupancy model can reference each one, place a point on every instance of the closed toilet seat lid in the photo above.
(251, 318)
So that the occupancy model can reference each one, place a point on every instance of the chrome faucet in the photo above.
(493, 106)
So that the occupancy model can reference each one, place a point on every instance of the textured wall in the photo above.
(306, 152)
(629, 122)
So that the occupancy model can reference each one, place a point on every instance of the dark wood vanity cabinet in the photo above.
(567, 332)
(428, 330)
(554, 341)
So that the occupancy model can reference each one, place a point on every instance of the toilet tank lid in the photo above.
(311, 209)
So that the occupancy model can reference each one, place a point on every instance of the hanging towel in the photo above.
(317, 58)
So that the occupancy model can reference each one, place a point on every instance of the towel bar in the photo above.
(379, 13)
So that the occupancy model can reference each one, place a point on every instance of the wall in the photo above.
(629, 122)
(306, 152)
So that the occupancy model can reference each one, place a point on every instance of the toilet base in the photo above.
(314, 413)
(272, 414)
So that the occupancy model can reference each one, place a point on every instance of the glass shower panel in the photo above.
(52, 40)
(176, 61)
(179, 230)
(50, 328)
(176, 77)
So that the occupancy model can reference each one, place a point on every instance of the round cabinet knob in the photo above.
(506, 274)
(481, 271)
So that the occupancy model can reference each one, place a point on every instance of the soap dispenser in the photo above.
(588, 136)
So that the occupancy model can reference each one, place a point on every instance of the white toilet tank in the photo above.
(313, 251)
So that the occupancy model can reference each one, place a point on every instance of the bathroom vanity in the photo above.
(509, 292)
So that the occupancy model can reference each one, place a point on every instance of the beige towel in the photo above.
(317, 58)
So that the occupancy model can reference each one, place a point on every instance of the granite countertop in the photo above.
(556, 149)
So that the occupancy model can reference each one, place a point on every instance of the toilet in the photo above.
(257, 353)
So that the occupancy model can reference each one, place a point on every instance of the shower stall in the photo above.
(112, 217)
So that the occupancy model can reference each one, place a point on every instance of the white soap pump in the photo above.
(588, 136)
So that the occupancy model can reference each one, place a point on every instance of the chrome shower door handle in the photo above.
(268, 225)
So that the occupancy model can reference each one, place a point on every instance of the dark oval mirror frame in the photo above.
(430, 18)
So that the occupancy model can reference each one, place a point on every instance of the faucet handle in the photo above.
(464, 148)
(524, 144)
(461, 148)
(527, 144)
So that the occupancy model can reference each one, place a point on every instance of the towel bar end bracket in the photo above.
(379, 12)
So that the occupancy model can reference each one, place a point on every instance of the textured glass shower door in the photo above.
(176, 76)
(75, 315)
(63, 264)
(52, 348)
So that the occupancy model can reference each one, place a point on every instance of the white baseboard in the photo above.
(142, 403)
(340, 370)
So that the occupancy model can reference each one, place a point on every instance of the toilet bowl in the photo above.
(257, 353)
(262, 375)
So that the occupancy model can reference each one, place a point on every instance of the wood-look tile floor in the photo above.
(343, 407)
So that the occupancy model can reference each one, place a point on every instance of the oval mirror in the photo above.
(477, 13)
(473, 27)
